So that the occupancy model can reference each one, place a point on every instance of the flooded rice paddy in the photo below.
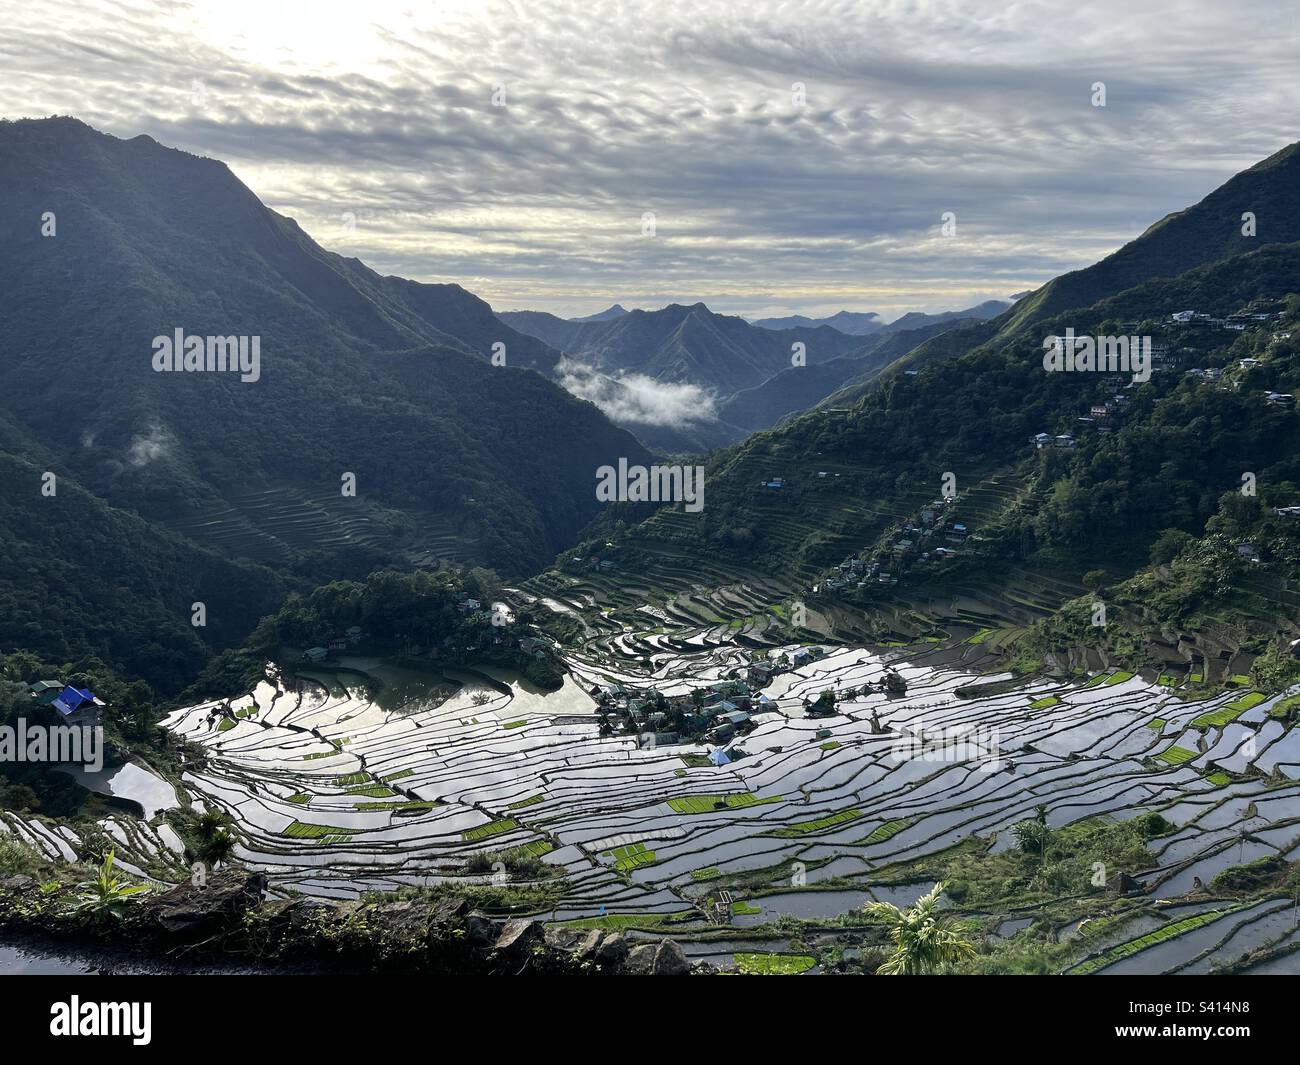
(334, 793)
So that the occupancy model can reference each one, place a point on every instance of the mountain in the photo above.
(920, 320)
(365, 379)
(687, 344)
(851, 322)
(871, 323)
(616, 311)
(80, 579)
(1206, 232)
(1144, 461)
(801, 388)
(550, 329)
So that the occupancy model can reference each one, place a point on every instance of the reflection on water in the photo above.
(129, 781)
(392, 688)
(24, 961)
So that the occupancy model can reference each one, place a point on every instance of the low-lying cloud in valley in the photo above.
(635, 399)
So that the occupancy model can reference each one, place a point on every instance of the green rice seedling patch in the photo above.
(802, 828)
(1160, 935)
(889, 830)
(752, 964)
(617, 921)
(707, 804)
(307, 830)
(492, 828)
(628, 858)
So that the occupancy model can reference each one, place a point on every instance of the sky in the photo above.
(765, 157)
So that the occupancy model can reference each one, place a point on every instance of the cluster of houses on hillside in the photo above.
(1236, 322)
(929, 537)
(75, 706)
(719, 713)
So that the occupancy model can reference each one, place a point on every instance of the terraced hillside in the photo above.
(333, 795)
(280, 524)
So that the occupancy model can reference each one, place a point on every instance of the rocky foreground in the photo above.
(231, 917)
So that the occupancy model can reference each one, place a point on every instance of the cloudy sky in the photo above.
(794, 156)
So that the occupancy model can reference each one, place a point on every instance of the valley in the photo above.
(765, 860)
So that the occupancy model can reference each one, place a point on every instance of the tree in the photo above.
(1169, 545)
(923, 941)
(1032, 836)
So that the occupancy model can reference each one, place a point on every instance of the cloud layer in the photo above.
(635, 399)
(794, 157)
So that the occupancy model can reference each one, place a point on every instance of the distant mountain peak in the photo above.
(616, 310)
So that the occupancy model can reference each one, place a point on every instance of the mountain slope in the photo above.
(802, 388)
(1208, 231)
(1148, 458)
(360, 374)
(855, 323)
(679, 344)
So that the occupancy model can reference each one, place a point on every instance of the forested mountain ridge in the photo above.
(374, 431)
(1141, 460)
(378, 377)
(681, 343)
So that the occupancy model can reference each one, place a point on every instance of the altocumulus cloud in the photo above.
(374, 125)
(635, 399)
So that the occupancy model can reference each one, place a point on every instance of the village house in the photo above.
(75, 706)
(315, 654)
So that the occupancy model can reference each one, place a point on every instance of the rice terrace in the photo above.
(540, 488)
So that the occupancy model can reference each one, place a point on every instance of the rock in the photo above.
(563, 938)
(670, 960)
(612, 950)
(589, 948)
(18, 884)
(450, 910)
(640, 960)
(188, 910)
(479, 929)
(519, 937)
(406, 918)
